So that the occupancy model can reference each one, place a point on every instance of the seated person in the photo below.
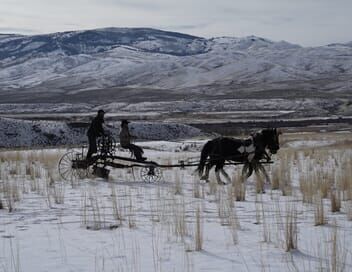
(125, 141)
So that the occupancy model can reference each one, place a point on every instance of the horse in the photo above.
(249, 151)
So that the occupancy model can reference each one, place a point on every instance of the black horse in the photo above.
(249, 151)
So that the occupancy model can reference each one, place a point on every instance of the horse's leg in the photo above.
(227, 177)
(247, 170)
(205, 177)
(244, 170)
(218, 168)
(262, 169)
(258, 170)
(217, 174)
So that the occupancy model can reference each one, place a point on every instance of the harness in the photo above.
(248, 150)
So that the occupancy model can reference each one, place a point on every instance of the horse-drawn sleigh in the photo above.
(251, 153)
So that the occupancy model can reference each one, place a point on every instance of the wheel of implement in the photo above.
(72, 165)
(151, 173)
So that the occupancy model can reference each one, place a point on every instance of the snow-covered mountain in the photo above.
(75, 61)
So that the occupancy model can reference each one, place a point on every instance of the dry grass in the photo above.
(281, 174)
(180, 227)
(238, 187)
(335, 199)
(291, 232)
(349, 210)
(319, 215)
(182, 209)
(198, 236)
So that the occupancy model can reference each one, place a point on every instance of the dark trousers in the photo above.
(92, 146)
(136, 150)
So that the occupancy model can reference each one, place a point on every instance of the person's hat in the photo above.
(101, 112)
(124, 122)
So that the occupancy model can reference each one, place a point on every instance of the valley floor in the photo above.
(181, 223)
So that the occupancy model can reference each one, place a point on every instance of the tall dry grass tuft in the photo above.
(258, 211)
(337, 253)
(96, 222)
(238, 187)
(266, 228)
(116, 209)
(335, 199)
(349, 210)
(83, 209)
(275, 177)
(325, 183)
(156, 248)
(343, 178)
(307, 188)
(178, 187)
(132, 223)
(259, 184)
(319, 216)
(284, 173)
(290, 228)
(11, 193)
(198, 237)
(179, 217)
(197, 192)
(58, 192)
(213, 187)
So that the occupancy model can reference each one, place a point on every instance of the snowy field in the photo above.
(302, 223)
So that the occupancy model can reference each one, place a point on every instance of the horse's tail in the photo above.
(203, 157)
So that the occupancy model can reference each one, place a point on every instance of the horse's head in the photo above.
(270, 137)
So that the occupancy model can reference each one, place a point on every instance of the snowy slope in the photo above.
(115, 57)
(19, 133)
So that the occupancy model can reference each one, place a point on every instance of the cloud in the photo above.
(13, 30)
(307, 22)
(135, 4)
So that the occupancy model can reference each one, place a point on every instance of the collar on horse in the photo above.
(247, 149)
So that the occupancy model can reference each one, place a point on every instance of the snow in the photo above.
(83, 233)
(310, 143)
(171, 61)
(20, 133)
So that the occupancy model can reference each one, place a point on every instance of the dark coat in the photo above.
(96, 127)
(125, 136)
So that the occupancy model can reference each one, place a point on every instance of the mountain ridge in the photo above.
(150, 58)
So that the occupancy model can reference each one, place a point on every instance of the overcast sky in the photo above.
(306, 22)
